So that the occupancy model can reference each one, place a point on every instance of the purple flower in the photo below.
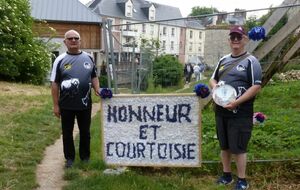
(258, 117)
(201, 90)
(257, 33)
(105, 93)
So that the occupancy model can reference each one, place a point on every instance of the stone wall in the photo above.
(216, 46)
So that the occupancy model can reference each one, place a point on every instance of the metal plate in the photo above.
(224, 94)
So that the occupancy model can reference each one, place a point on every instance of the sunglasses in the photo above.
(73, 38)
(238, 37)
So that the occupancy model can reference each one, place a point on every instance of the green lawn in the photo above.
(278, 138)
(27, 127)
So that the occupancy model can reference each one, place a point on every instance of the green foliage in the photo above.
(23, 58)
(197, 11)
(103, 81)
(167, 71)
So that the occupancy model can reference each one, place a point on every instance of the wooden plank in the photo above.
(273, 55)
(287, 29)
(270, 23)
(292, 51)
(275, 66)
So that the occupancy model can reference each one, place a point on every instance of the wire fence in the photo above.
(132, 45)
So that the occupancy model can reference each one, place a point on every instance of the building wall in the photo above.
(90, 34)
(194, 44)
(216, 45)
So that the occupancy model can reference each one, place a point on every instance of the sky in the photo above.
(185, 6)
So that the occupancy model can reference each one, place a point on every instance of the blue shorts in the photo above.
(234, 133)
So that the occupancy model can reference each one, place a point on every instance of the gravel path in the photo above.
(50, 171)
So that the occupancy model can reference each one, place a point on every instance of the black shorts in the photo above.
(234, 133)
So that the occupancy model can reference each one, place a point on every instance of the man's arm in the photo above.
(212, 83)
(250, 93)
(96, 86)
(55, 97)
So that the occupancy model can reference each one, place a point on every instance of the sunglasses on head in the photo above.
(73, 38)
(239, 37)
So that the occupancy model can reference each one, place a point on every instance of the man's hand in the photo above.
(56, 111)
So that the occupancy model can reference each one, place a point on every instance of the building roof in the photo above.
(63, 11)
(111, 8)
(195, 24)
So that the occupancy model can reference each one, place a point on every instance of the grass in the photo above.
(27, 127)
(278, 138)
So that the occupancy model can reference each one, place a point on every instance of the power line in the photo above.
(209, 15)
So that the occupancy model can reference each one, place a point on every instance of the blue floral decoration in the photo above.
(105, 93)
(257, 33)
(201, 90)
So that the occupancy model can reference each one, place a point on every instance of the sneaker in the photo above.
(69, 163)
(223, 180)
(241, 185)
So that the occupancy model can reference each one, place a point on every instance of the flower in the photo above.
(257, 33)
(201, 90)
(105, 93)
(259, 118)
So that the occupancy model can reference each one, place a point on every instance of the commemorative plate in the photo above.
(224, 94)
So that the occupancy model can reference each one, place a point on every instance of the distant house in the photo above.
(63, 15)
(171, 35)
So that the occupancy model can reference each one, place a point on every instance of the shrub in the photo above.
(167, 71)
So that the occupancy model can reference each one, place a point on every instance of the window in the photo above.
(129, 10)
(144, 28)
(200, 35)
(127, 26)
(164, 31)
(191, 46)
(151, 29)
(164, 44)
(173, 32)
(199, 49)
(152, 14)
(172, 45)
(191, 34)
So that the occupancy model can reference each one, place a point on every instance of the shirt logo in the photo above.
(67, 66)
(240, 68)
(87, 65)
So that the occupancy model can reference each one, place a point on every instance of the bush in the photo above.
(167, 71)
(23, 58)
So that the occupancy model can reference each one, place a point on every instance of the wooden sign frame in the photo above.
(152, 130)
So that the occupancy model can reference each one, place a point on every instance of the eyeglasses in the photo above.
(73, 38)
(238, 37)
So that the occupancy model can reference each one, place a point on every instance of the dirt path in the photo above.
(51, 170)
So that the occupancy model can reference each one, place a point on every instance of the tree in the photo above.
(198, 11)
(23, 57)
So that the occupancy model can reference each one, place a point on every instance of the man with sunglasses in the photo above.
(234, 121)
(73, 76)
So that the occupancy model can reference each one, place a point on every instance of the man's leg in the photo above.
(84, 122)
(226, 160)
(241, 162)
(67, 122)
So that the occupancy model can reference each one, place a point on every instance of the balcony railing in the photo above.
(130, 33)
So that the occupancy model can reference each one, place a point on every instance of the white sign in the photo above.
(152, 130)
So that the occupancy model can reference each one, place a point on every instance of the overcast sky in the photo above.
(185, 6)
